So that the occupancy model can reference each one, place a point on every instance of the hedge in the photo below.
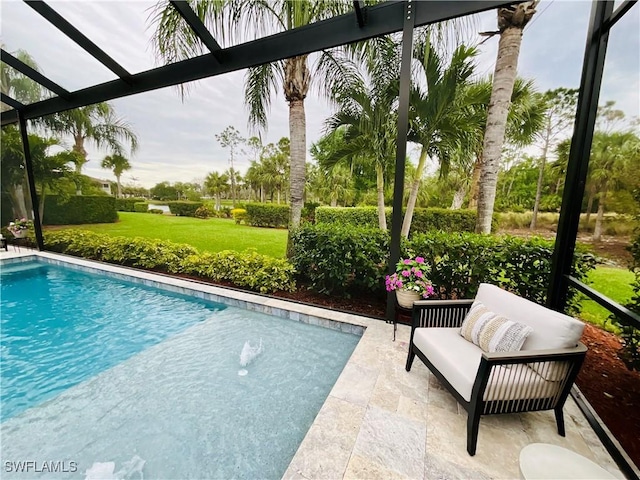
(337, 259)
(248, 269)
(6, 210)
(141, 207)
(184, 208)
(79, 209)
(424, 219)
(267, 215)
(127, 204)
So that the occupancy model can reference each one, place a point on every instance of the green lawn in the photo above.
(212, 235)
(615, 283)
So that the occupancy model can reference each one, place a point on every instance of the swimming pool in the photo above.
(175, 396)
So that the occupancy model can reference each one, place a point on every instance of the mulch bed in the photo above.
(611, 389)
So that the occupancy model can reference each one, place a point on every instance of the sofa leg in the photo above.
(410, 358)
(559, 420)
(473, 424)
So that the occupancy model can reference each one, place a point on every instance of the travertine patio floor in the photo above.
(380, 421)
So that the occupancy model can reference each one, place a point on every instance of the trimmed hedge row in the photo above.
(184, 208)
(267, 215)
(249, 270)
(79, 209)
(335, 259)
(424, 219)
(127, 204)
(141, 207)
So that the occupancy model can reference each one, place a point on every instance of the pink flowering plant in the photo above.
(19, 225)
(411, 274)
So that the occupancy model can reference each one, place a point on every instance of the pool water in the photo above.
(175, 399)
(60, 327)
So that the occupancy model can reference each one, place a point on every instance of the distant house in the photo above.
(104, 185)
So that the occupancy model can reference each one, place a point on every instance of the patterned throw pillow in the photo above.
(491, 332)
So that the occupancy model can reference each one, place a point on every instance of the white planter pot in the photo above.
(20, 233)
(406, 298)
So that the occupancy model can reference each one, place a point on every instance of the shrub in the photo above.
(204, 212)
(239, 215)
(267, 215)
(79, 209)
(127, 204)
(225, 212)
(309, 212)
(335, 258)
(248, 269)
(184, 209)
(340, 259)
(424, 219)
(141, 207)
(630, 352)
(157, 211)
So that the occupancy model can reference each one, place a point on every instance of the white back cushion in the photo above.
(551, 329)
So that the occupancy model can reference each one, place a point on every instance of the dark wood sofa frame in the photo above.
(451, 313)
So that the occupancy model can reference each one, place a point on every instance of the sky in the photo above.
(177, 136)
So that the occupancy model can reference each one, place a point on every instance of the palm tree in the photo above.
(438, 119)
(511, 23)
(118, 164)
(96, 123)
(229, 21)
(216, 184)
(367, 115)
(612, 154)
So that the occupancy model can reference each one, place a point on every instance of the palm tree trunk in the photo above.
(297, 132)
(543, 162)
(503, 81)
(458, 198)
(413, 196)
(78, 146)
(592, 195)
(475, 181)
(334, 201)
(16, 193)
(119, 186)
(41, 203)
(597, 231)
(382, 219)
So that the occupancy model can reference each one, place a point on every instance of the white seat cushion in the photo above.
(458, 361)
(551, 329)
(455, 358)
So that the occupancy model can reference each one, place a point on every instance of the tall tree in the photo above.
(21, 88)
(216, 184)
(97, 124)
(230, 21)
(511, 23)
(612, 154)
(367, 114)
(438, 117)
(118, 164)
(230, 138)
(561, 107)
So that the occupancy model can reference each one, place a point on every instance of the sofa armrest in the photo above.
(439, 313)
(529, 356)
(527, 374)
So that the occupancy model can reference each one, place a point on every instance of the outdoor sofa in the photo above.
(537, 377)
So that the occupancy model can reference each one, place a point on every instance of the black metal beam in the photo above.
(11, 102)
(33, 74)
(619, 13)
(579, 154)
(78, 37)
(194, 22)
(401, 148)
(627, 316)
(31, 181)
(361, 13)
(382, 19)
